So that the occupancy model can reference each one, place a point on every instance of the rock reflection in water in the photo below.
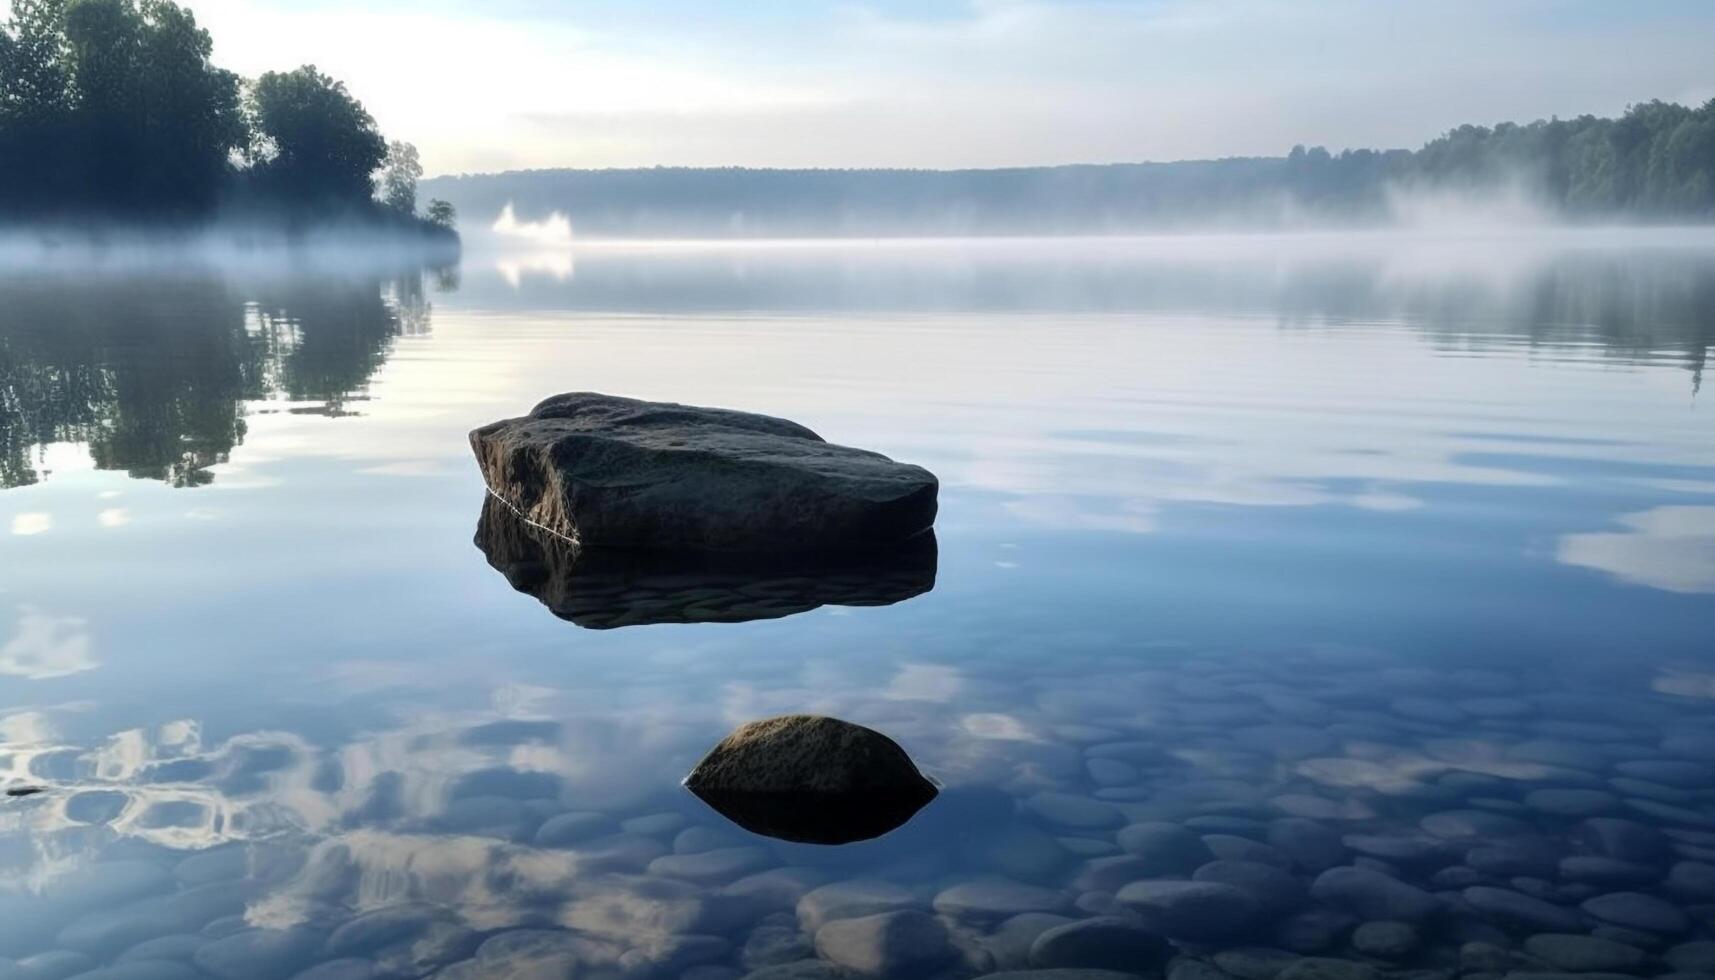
(604, 588)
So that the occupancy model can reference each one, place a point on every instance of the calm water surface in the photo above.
(1256, 558)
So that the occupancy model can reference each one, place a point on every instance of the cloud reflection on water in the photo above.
(1669, 547)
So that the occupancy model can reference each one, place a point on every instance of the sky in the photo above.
(484, 85)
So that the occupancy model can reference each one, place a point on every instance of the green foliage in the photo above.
(315, 143)
(441, 214)
(1658, 159)
(399, 176)
(112, 109)
(113, 106)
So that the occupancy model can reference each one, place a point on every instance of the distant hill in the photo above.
(1654, 163)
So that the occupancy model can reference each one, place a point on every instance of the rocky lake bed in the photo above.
(1323, 815)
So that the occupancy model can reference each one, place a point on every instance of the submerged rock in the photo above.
(892, 944)
(811, 779)
(599, 470)
(604, 588)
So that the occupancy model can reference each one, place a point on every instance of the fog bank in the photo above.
(335, 248)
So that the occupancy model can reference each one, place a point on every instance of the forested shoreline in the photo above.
(113, 114)
(1653, 164)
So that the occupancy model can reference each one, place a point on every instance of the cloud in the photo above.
(959, 82)
(32, 523)
(46, 646)
(1671, 548)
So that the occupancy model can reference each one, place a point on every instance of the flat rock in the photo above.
(1692, 957)
(1515, 910)
(536, 953)
(717, 866)
(1104, 942)
(992, 898)
(1324, 968)
(1191, 910)
(654, 824)
(1671, 772)
(1473, 825)
(1403, 849)
(1008, 944)
(1668, 813)
(569, 828)
(1075, 812)
(1285, 741)
(1386, 940)
(1111, 772)
(1312, 930)
(672, 956)
(1691, 746)
(1311, 846)
(623, 907)
(1626, 840)
(1370, 894)
(1692, 879)
(112, 930)
(811, 779)
(1231, 847)
(851, 899)
(779, 888)
(892, 944)
(144, 970)
(1162, 848)
(179, 946)
(603, 470)
(1254, 962)
(1275, 889)
(801, 970)
(346, 969)
(1186, 968)
(260, 954)
(53, 965)
(1599, 870)
(1584, 954)
(1523, 856)
(1635, 910)
(1067, 973)
(1571, 802)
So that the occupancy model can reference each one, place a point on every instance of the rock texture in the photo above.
(599, 470)
(605, 588)
(811, 779)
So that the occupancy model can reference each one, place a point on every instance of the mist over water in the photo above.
(258, 248)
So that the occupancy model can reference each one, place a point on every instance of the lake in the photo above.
(1257, 557)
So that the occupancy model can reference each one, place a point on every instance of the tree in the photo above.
(441, 214)
(314, 144)
(399, 176)
(35, 101)
(112, 109)
(112, 105)
(192, 110)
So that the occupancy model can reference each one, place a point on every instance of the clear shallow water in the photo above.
(1294, 540)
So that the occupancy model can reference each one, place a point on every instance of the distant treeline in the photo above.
(1654, 163)
(110, 110)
